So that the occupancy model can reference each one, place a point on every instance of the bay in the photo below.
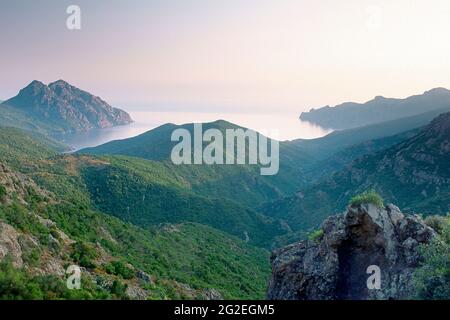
(280, 126)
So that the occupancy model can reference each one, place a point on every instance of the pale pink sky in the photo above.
(279, 55)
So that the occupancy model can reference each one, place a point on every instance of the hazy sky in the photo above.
(207, 54)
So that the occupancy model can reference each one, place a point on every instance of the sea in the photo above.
(280, 126)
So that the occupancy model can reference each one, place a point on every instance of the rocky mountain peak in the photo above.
(335, 265)
(66, 107)
(68, 92)
(60, 83)
(35, 84)
(35, 87)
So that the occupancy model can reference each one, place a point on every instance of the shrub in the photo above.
(84, 254)
(2, 191)
(370, 196)
(119, 268)
(440, 224)
(432, 279)
(32, 257)
(15, 284)
(119, 289)
(316, 235)
(18, 284)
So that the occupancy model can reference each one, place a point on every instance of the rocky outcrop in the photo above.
(335, 266)
(67, 108)
(9, 244)
(135, 292)
(17, 185)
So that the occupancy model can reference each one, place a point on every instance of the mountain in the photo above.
(337, 141)
(41, 234)
(148, 194)
(145, 193)
(334, 264)
(49, 220)
(413, 174)
(59, 108)
(154, 144)
(302, 162)
(142, 227)
(351, 115)
(240, 183)
(340, 159)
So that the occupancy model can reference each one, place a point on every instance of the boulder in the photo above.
(335, 266)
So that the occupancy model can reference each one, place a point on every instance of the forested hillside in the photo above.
(49, 215)
(414, 174)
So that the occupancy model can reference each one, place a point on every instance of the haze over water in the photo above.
(286, 55)
(283, 56)
(281, 126)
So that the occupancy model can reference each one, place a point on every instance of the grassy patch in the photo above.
(316, 235)
(368, 197)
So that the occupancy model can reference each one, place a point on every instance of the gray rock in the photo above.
(335, 267)
(136, 293)
(9, 244)
(212, 294)
(145, 277)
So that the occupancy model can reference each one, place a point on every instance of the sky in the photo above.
(228, 55)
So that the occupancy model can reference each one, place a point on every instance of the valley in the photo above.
(142, 227)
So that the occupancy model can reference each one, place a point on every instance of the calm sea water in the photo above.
(279, 126)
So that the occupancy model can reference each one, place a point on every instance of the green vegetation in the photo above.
(144, 193)
(2, 191)
(411, 182)
(11, 116)
(239, 183)
(190, 254)
(440, 224)
(84, 254)
(17, 284)
(17, 215)
(368, 197)
(316, 235)
(148, 193)
(340, 140)
(184, 259)
(119, 289)
(190, 228)
(433, 278)
(118, 268)
(21, 149)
